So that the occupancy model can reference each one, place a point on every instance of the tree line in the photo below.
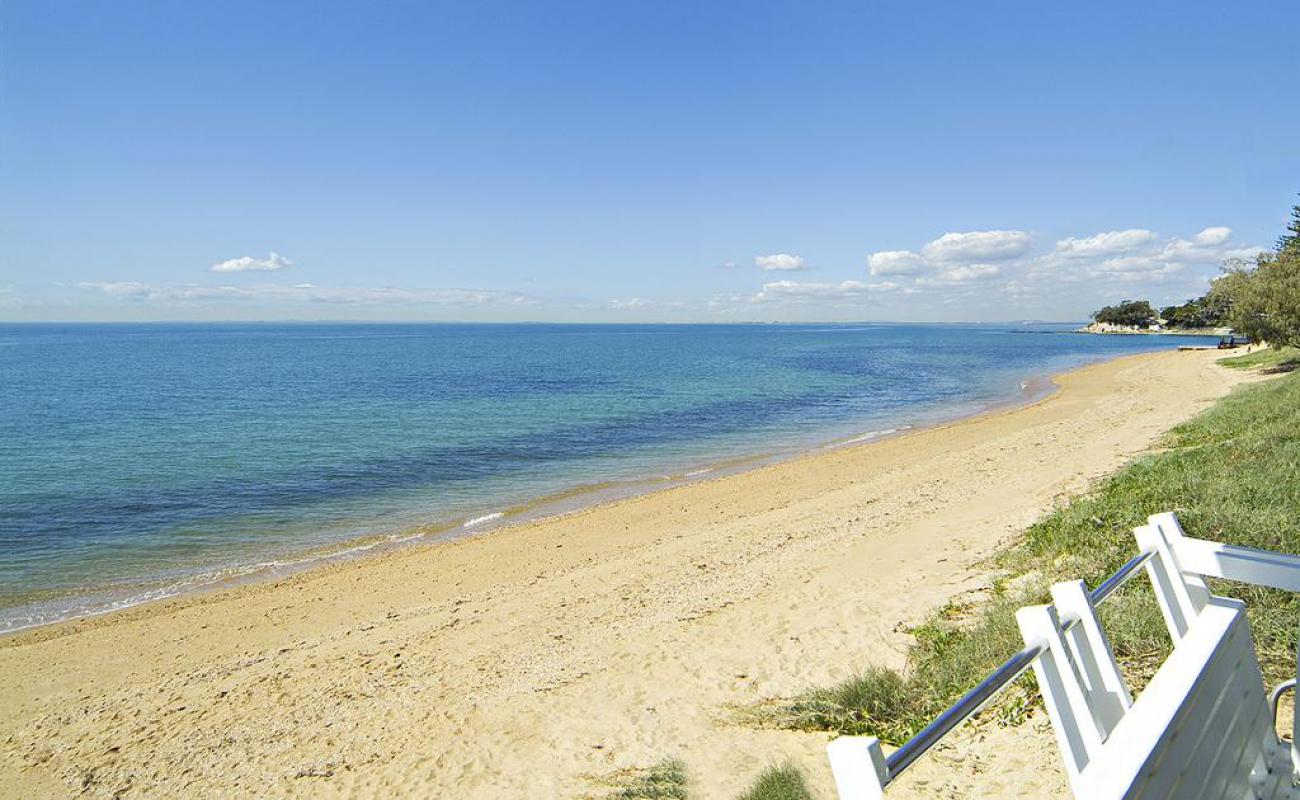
(1263, 299)
(1206, 311)
(1260, 299)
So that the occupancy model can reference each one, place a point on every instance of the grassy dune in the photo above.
(1232, 474)
(1267, 360)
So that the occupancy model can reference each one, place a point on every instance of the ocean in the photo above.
(139, 461)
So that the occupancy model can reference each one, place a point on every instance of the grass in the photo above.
(1269, 360)
(667, 781)
(663, 781)
(1232, 474)
(779, 783)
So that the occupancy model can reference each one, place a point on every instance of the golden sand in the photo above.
(536, 660)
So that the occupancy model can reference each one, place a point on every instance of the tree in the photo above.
(1260, 299)
(1215, 309)
(1289, 242)
(1134, 313)
(1264, 299)
(1199, 312)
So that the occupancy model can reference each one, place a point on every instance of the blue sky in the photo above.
(636, 161)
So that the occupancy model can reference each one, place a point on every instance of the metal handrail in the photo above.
(1275, 696)
(971, 702)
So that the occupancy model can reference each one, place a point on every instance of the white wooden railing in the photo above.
(1202, 728)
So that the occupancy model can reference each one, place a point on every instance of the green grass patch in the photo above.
(1266, 359)
(663, 781)
(1232, 474)
(779, 783)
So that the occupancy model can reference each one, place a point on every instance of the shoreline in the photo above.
(540, 659)
(1033, 388)
(1201, 332)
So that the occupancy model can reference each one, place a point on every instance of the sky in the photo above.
(636, 161)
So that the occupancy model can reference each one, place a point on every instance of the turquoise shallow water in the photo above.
(141, 460)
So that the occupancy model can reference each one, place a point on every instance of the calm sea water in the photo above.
(140, 460)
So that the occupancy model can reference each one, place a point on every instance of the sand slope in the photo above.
(531, 661)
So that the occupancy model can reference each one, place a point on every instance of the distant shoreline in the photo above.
(1101, 329)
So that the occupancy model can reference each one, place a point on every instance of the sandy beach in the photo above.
(538, 660)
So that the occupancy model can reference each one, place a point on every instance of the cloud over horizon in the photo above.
(972, 275)
(796, 291)
(993, 272)
(307, 293)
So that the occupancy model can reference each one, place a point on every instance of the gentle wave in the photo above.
(13, 620)
(869, 435)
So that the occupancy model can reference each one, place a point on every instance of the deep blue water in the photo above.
(137, 460)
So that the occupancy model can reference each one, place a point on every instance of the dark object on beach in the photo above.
(1233, 342)
(1286, 366)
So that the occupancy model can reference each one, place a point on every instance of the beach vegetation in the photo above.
(1232, 474)
(779, 783)
(1290, 241)
(1264, 298)
(1267, 360)
(665, 780)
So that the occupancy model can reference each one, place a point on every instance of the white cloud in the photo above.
(897, 262)
(639, 304)
(1212, 237)
(249, 264)
(135, 290)
(307, 293)
(1130, 264)
(969, 273)
(779, 262)
(978, 246)
(989, 269)
(1137, 255)
(1202, 247)
(957, 257)
(796, 291)
(1106, 243)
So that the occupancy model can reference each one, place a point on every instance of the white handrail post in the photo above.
(858, 765)
(1179, 603)
(1107, 691)
(1172, 532)
(1072, 717)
